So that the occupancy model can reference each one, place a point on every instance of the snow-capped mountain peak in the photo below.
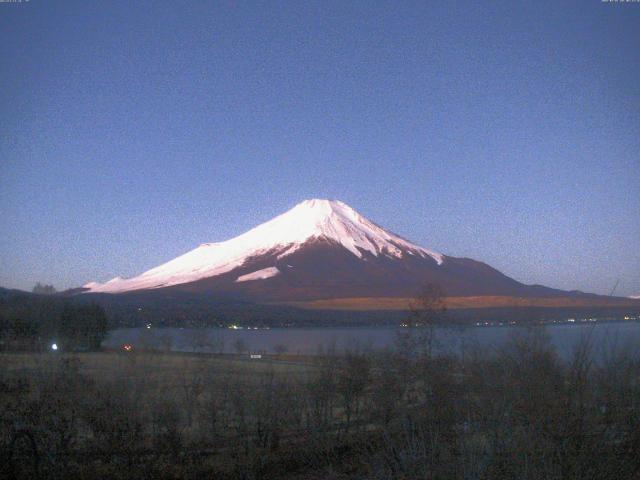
(337, 221)
(315, 219)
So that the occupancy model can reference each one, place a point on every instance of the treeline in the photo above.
(514, 413)
(35, 322)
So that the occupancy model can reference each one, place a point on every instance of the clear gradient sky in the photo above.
(508, 132)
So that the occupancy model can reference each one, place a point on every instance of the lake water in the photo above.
(311, 341)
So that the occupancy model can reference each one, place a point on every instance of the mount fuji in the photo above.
(322, 250)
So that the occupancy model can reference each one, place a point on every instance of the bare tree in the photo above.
(426, 312)
(200, 340)
(389, 387)
(192, 386)
(280, 349)
(352, 381)
(217, 340)
(167, 342)
(240, 346)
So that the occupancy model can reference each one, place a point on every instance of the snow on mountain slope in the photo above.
(259, 274)
(635, 297)
(309, 220)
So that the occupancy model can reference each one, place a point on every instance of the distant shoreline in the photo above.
(551, 323)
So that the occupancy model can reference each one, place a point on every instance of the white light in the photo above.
(54, 346)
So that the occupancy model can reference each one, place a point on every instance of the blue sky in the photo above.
(508, 132)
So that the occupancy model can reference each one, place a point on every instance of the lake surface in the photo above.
(310, 341)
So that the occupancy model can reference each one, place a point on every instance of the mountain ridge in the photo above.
(323, 250)
(307, 221)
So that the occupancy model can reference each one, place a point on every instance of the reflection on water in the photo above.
(310, 341)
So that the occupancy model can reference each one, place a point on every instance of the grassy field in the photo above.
(516, 413)
(144, 404)
(163, 369)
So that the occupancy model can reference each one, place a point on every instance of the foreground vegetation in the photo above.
(516, 413)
